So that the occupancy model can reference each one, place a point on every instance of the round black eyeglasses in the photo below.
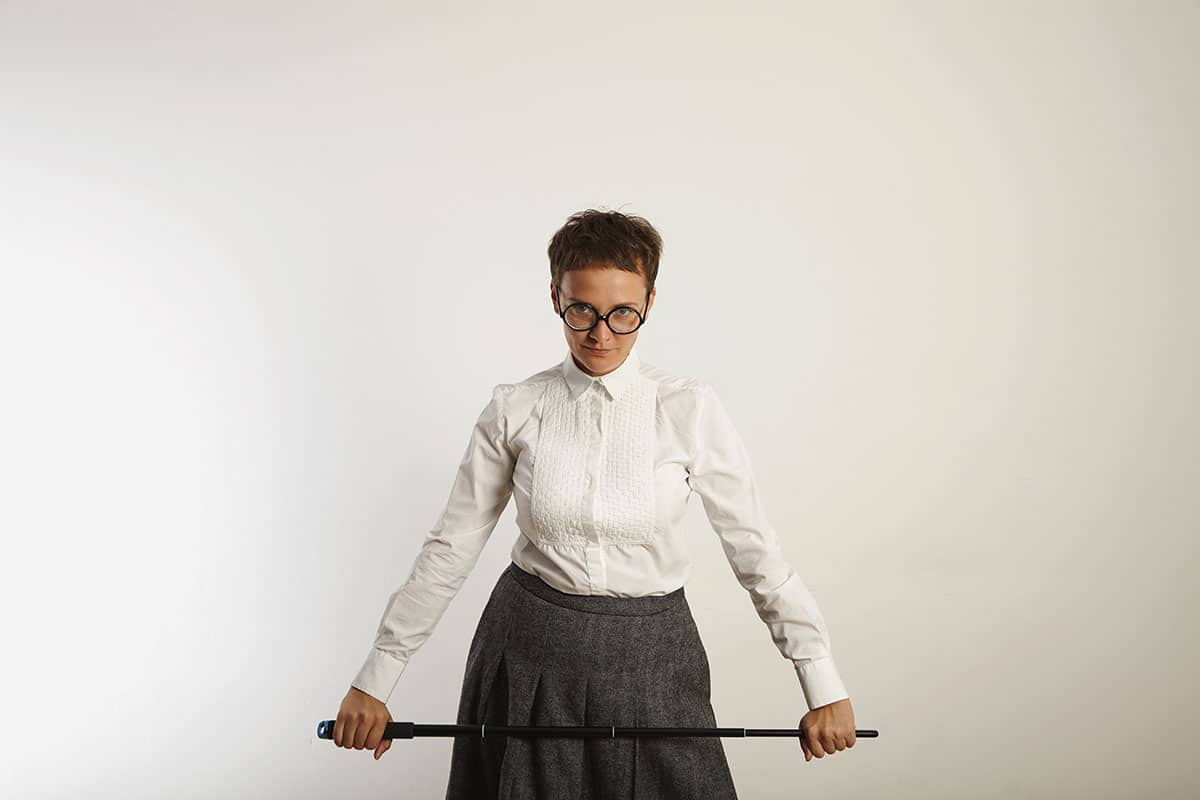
(620, 320)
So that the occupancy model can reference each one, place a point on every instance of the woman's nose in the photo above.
(601, 336)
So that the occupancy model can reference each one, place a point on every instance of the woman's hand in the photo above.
(361, 722)
(827, 729)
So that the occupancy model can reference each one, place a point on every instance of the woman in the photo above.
(589, 624)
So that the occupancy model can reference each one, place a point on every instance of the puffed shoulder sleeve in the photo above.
(478, 496)
(720, 472)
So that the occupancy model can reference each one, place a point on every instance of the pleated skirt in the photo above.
(545, 657)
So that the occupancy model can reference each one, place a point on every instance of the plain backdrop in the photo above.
(264, 261)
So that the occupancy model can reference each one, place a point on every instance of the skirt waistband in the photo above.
(596, 603)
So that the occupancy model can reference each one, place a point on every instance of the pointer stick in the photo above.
(408, 730)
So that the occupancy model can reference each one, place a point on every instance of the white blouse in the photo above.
(602, 469)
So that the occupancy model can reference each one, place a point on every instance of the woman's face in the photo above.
(599, 350)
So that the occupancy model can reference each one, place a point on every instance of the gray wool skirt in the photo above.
(545, 657)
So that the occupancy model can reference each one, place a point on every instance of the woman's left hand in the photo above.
(827, 729)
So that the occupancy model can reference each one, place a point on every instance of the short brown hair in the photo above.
(595, 237)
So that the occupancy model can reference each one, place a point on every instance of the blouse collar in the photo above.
(614, 382)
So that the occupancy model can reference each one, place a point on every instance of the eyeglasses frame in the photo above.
(602, 317)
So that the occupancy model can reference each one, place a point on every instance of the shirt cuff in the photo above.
(820, 681)
(379, 674)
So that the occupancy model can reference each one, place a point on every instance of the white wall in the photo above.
(262, 263)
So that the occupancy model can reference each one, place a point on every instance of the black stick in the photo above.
(408, 730)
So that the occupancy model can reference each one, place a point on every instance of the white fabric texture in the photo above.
(601, 469)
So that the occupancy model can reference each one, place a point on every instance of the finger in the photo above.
(349, 732)
(814, 742)
(375, 734)
(829, 743)
(804, 747)
(338, 726)
(360, 735)
(383, 748)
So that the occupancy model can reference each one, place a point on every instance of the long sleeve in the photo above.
(721, 474)
(478, 496)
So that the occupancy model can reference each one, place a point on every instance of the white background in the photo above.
(263, 261)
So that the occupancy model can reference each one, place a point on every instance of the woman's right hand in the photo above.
(361, 722)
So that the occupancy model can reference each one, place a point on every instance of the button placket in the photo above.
(594, 454)
(594, 444)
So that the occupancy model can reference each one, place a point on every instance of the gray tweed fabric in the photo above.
(545, 657)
